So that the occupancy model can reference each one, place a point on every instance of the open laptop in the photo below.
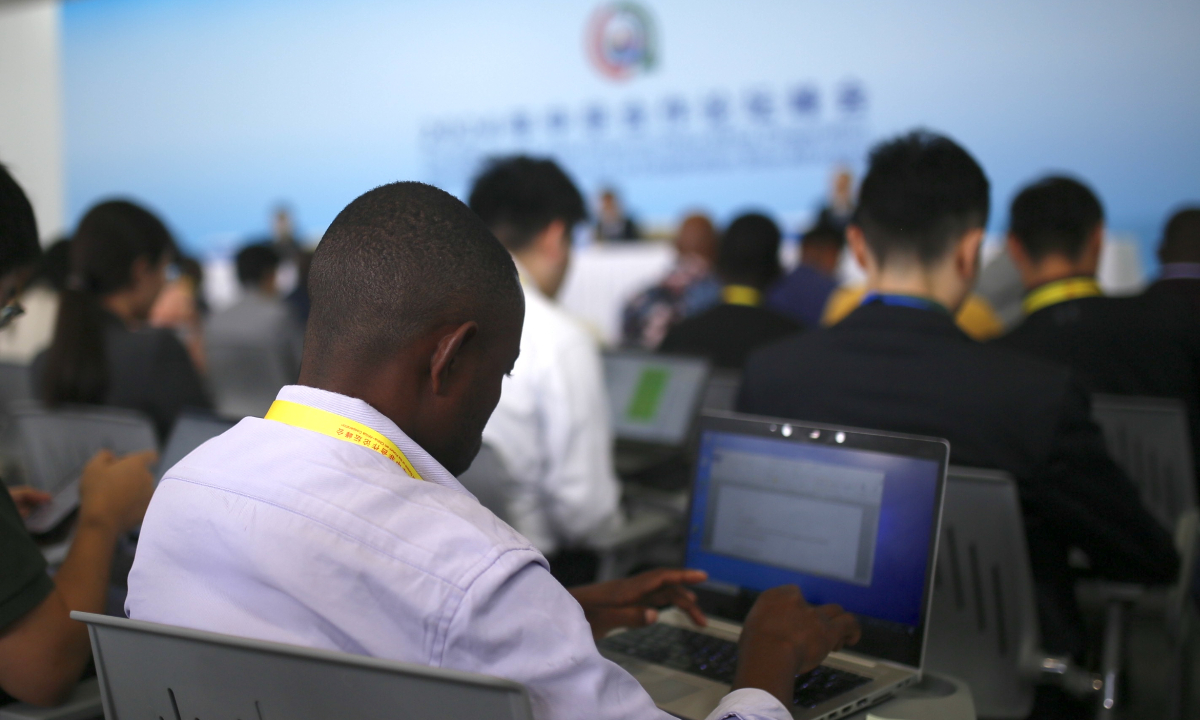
(192, 429)
(653, 402)
(850, 516)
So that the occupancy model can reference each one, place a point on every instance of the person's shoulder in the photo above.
(344, 494)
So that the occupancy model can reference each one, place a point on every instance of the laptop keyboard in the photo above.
(716, 659)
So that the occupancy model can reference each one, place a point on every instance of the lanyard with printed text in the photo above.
(1060, 291)
(342, 428)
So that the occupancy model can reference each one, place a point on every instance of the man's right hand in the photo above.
(114, 492)
(784, 636)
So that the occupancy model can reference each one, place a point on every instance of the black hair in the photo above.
(517, 197)
(397, 261)
(824, 233)
(56, 265)
(749, 251)
(18, 227)
(110, 239)
(922, 191)
(255, 262)
(1055, 215)
(1181, 237)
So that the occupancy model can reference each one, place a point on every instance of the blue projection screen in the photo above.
(215, 111)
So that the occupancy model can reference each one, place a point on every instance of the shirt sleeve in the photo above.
(24, 583)
(515, 621)
(579, 489)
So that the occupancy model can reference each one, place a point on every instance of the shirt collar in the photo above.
(917, 302)
(1181, 271)
(1059, 291)
(359, 411)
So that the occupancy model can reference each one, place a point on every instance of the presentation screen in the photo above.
(215, 112)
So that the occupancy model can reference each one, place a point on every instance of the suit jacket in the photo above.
(1123, 346)
(727, 333)
(911, 370)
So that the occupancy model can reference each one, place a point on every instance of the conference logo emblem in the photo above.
(621, 40)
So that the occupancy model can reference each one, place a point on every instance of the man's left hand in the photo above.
(634, 602)
(27, 499)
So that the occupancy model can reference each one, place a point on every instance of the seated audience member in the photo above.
(103, 352)
(42, 651)
(21, 342)
(612, 222)
(378, 550)
(691, 287)
(899, 363)
(747, 263)
(181, 307)
(976, 317)
(1122, 346)
(551, 426)
(802, 295)
(260, 318)
(1179, 282)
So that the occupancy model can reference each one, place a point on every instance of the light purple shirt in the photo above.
(283, 534)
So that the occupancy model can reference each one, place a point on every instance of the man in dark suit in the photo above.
(1178, 284)
(747, 263)
(900, 363)
(1123, 346)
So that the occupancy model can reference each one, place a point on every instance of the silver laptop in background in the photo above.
(851, 516)
(653, 402)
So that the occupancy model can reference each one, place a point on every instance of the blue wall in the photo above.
(214, 111)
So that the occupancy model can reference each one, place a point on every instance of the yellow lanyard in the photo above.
(336, 426)
(1060, 291)
(741, 295)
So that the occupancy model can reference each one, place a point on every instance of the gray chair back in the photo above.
(721, 391)
(488, 480)
(245, 379)
(1149, 439)
(57, 443)
(147, 670)
(983, 627)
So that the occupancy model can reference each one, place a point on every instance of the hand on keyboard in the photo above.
(632, 602)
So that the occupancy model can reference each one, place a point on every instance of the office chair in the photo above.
(1149, 439)
(147, 670)
(983, 627)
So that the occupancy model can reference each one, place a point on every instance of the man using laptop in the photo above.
(336, 522)
(899, 363)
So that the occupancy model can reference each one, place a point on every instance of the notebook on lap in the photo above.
(850, 516)
(653, 402)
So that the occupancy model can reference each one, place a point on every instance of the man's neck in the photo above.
(534, 270)
(124, 306)
(1054, 268)
(917, 283)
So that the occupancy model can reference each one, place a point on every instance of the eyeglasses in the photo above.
(10, 312)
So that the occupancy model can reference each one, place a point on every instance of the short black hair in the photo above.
(1055, 215)
(517, 197)
(824, 233)
(396, 262)
(18, 226)
(1181, 237)
(749, 251)
(922, 191)
(255, 262)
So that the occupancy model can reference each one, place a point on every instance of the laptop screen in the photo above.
(653, 398)
(850, 517)
(190, 432)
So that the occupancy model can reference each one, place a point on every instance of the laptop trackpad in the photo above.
(668, 690)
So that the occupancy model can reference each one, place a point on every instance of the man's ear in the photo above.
(968, 256)
(858, 246)
(1020, 257)
(447, 356)
(1092, 250)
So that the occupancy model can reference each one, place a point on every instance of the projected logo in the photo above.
(621, 40)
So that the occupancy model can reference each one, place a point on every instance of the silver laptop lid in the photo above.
(653, 398)
(850, 516)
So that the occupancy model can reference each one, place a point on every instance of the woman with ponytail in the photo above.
(104, 352)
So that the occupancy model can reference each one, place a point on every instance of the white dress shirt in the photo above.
(279, 533)
(551, 430)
